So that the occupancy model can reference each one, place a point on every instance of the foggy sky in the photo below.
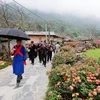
(83, 8)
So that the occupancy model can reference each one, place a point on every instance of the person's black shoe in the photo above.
(21, 78)
(44, 65)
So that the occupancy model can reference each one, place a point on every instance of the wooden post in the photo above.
(9, 58)
(49, 36)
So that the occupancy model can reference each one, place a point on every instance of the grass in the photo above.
(93, 53)
(5, 65)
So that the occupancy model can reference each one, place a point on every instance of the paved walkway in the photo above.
(32, 87)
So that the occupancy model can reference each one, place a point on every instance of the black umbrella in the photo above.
(13, 33)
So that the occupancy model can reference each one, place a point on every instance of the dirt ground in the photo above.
(2, 62)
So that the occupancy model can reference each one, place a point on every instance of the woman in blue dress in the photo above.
(19, 59)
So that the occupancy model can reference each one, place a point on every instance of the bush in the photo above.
(58, 59)
(53, 95)
(70, 57)
(81, 82)
(66, 48)
(72, 77)
(63, 57)
(73, 44)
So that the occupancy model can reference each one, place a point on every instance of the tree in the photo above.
(75, 34)
(93, 31)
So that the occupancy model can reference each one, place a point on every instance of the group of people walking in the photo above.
(42, 50)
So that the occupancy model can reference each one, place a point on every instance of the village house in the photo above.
(41, 36)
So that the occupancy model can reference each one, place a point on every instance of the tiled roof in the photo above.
(40, 33)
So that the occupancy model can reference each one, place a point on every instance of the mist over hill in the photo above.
(65, 24)
(69, 18)
(69, 23)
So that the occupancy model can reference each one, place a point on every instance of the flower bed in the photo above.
(79, 81)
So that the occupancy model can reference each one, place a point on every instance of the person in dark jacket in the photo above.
(39, 48)
(49, 55)
(54, 48)
(28, 50)
(44, 54)
(32, 52)
(20, 57)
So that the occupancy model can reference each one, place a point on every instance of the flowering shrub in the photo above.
(66, 48)
(73, 44)
(63, 57)
(58, 59)
(78, 82)
(71, 79)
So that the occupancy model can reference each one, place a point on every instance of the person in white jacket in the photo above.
(57, 47)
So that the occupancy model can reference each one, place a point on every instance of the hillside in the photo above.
(67, 24)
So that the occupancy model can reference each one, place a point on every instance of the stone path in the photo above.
(32, 87)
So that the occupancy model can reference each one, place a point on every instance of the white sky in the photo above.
(83, 8)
